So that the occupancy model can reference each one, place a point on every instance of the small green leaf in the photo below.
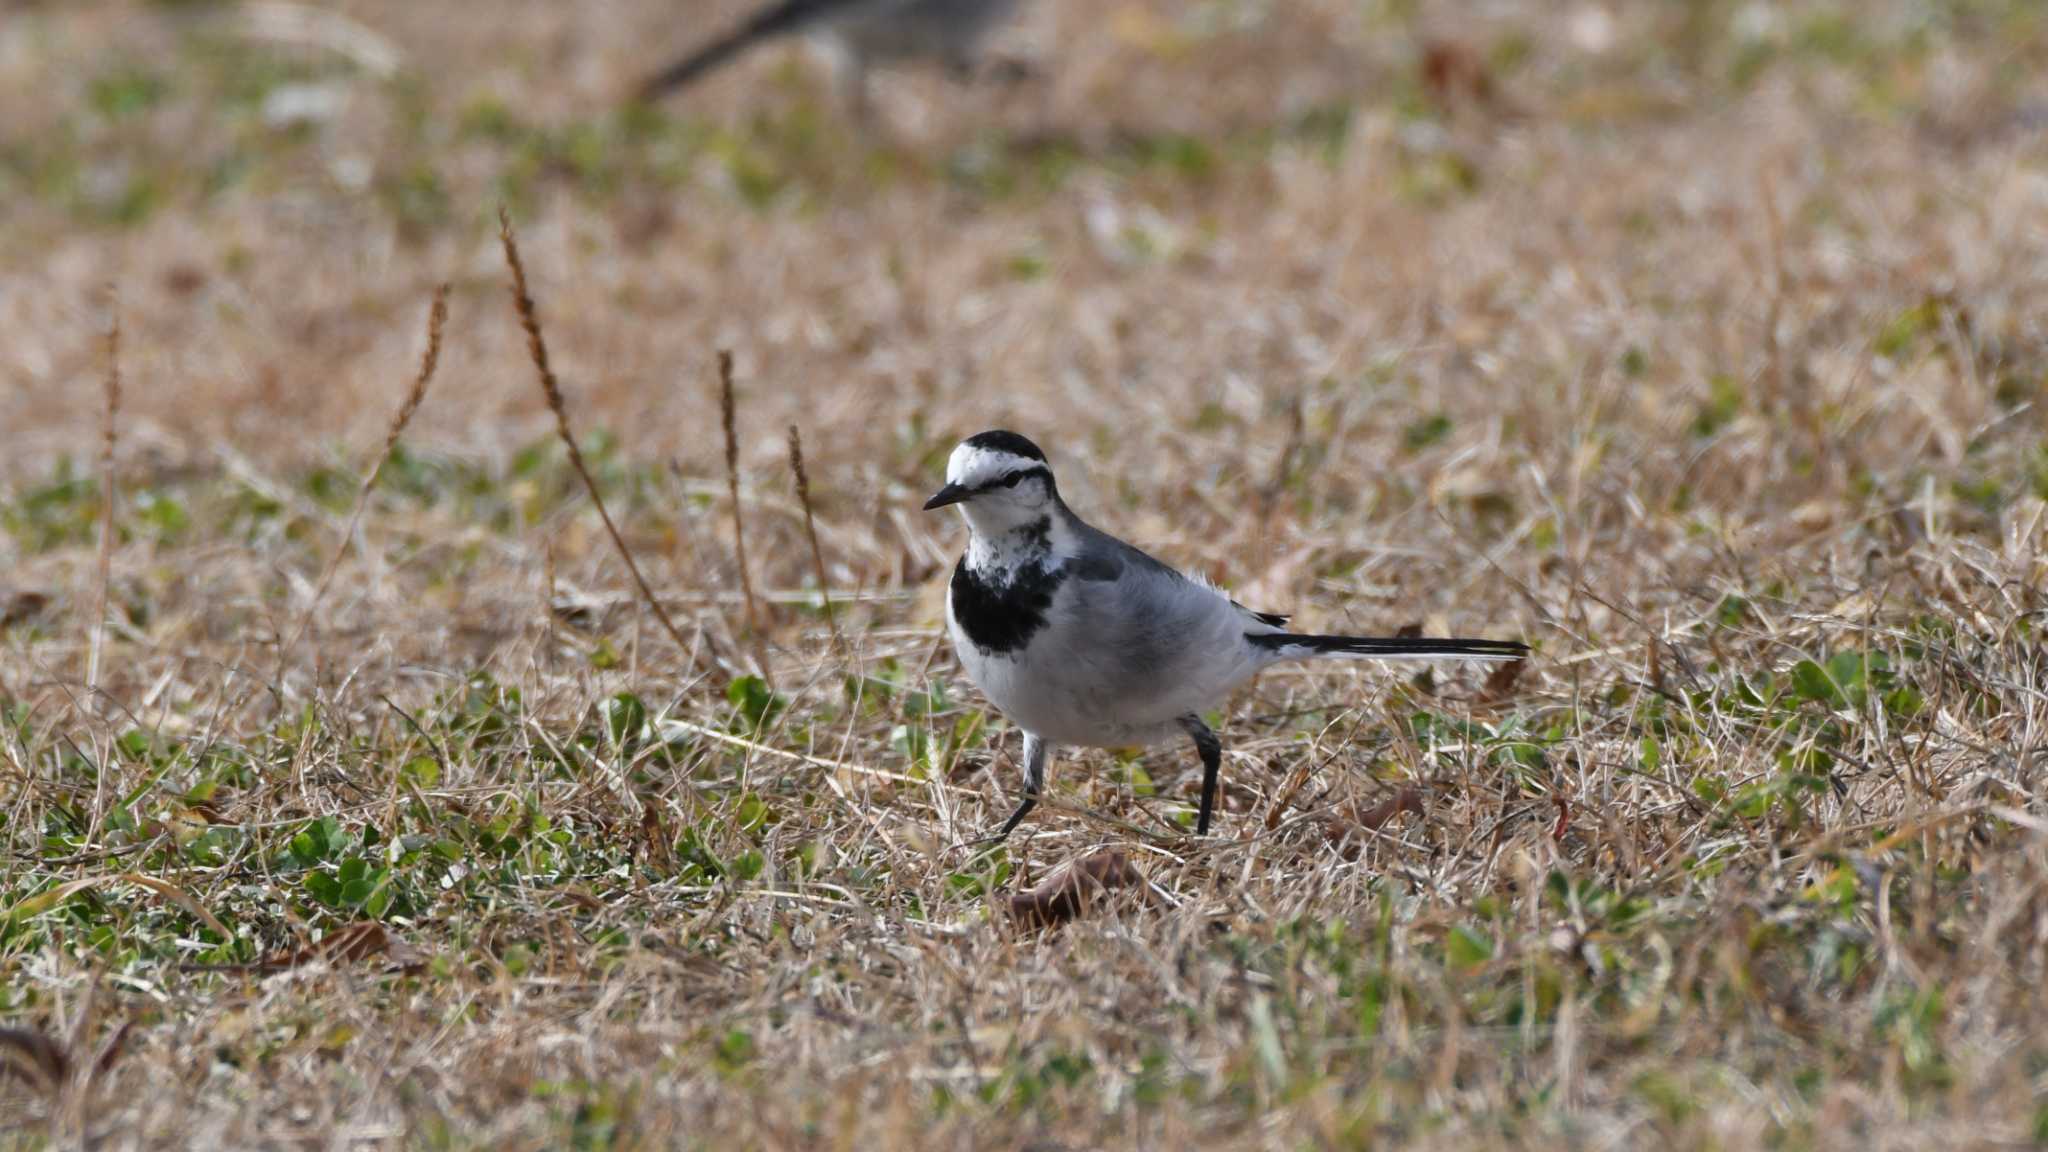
(1852, 672)
(735, 1050)
(324, 888)
(988, 874)
(1904, 701)
(1266, 1041)
(1723, 405)
(1732, 611)
(1467, 948)
(913, 741)
(318, 841)
(1427, 431)
(751, 813)
(625, 720)
(1812, 682)
(1141, 781)
(421, 772)
(930, 702)
(1907, 328)
(125, 92)
(755, 702)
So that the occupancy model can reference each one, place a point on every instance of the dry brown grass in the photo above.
(1701, 346)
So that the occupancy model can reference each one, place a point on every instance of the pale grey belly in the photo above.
(1053, 690)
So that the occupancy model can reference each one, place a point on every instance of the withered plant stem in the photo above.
(109, 421)
(803, 495)
(437, 321)
(726, 406)
(537, 349)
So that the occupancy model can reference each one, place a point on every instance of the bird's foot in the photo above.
(981, 846)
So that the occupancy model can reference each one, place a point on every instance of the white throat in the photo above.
(1009, 538)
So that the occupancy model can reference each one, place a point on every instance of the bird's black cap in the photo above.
(999, 440)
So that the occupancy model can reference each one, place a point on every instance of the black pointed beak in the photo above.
(950, 494)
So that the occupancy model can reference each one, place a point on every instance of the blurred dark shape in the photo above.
(866, 32)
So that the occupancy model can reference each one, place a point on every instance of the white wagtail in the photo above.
(866, 31)
(1080, 638)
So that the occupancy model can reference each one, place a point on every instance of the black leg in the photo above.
(1035, 753)
(1022, 810)
(1212, 764)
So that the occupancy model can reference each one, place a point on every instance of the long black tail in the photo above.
(1292, 646)
(786, 17)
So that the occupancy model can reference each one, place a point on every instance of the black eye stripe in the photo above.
(1013, 479)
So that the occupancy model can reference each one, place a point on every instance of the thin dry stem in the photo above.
(726, 406)
(803, 495)
(437, 320)
(109, 422)
(537, 349)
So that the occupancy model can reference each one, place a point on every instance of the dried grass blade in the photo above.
(109, 422)
(803, 495)
(537, 350)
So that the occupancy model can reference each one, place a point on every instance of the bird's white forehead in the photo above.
(972, 466)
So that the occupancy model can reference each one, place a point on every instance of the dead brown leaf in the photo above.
(1072, 889)
(1500, 684)
(48, 1063)
(20, 605)
(1407, 799)
(654, 838)
(33, 1056)
(1453, 73)
(353, 944)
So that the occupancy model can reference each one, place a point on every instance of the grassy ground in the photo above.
(1700, 345)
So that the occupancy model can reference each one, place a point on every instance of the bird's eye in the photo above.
(1013, 479)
